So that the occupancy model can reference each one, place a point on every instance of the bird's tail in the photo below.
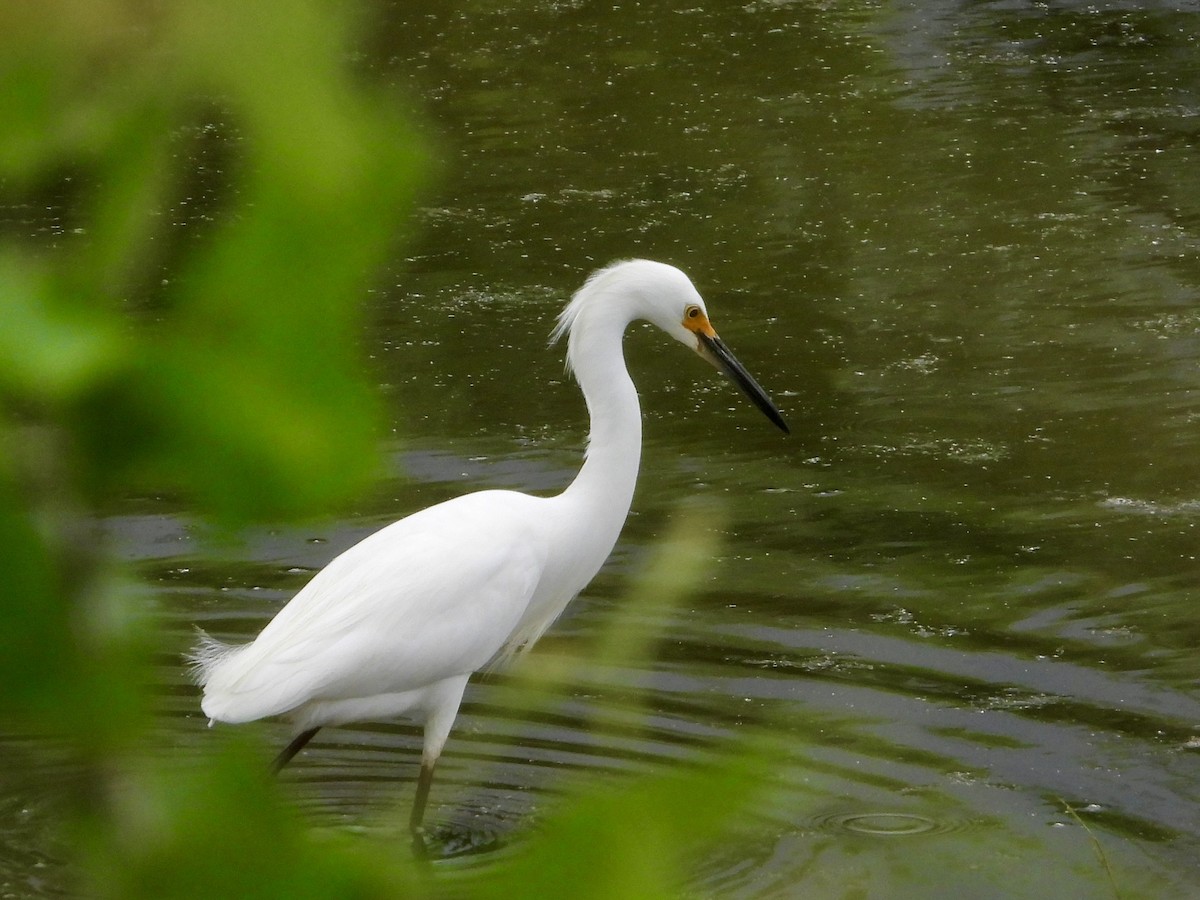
(208, 653)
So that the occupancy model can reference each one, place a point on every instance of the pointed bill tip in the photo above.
(714, 350)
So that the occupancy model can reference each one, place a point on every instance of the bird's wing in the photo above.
(428, 597)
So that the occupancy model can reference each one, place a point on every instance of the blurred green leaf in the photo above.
(37, 664)
(50, 350)
(224, 367)
(221, 831)
(637, 842)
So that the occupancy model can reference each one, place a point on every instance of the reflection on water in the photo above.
(959, 243)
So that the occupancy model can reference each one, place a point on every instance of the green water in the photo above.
(958, 243)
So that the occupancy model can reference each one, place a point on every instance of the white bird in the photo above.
(396, 625)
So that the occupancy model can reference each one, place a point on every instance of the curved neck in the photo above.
(609, 474)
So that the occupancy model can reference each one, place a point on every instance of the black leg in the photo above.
(424, 781)
(297, 744)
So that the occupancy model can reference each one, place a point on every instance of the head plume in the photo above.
(636, 280)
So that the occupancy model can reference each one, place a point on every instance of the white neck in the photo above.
(605, 484)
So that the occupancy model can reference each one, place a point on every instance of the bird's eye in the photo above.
(692, 312)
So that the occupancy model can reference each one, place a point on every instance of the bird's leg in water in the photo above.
(424, 780)
(297, 744)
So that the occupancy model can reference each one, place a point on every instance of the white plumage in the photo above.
(397, 624)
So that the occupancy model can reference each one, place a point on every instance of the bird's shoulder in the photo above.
(470, 524)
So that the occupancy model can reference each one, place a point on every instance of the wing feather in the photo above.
(430, 596)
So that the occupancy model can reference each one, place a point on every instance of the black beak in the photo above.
(714, 350)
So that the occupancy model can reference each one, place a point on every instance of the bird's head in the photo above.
(662, 295)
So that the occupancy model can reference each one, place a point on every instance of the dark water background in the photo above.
(959, 243)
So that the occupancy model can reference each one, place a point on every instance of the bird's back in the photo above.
(432, 596)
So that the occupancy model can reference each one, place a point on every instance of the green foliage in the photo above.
(634, 843)
(240, 387)
(237, 383)
(232, 381)
(221, 831)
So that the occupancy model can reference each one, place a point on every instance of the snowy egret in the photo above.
(397, 624)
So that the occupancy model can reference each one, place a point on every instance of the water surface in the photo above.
(958, 243)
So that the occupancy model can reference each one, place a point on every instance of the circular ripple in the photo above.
(887, 824)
